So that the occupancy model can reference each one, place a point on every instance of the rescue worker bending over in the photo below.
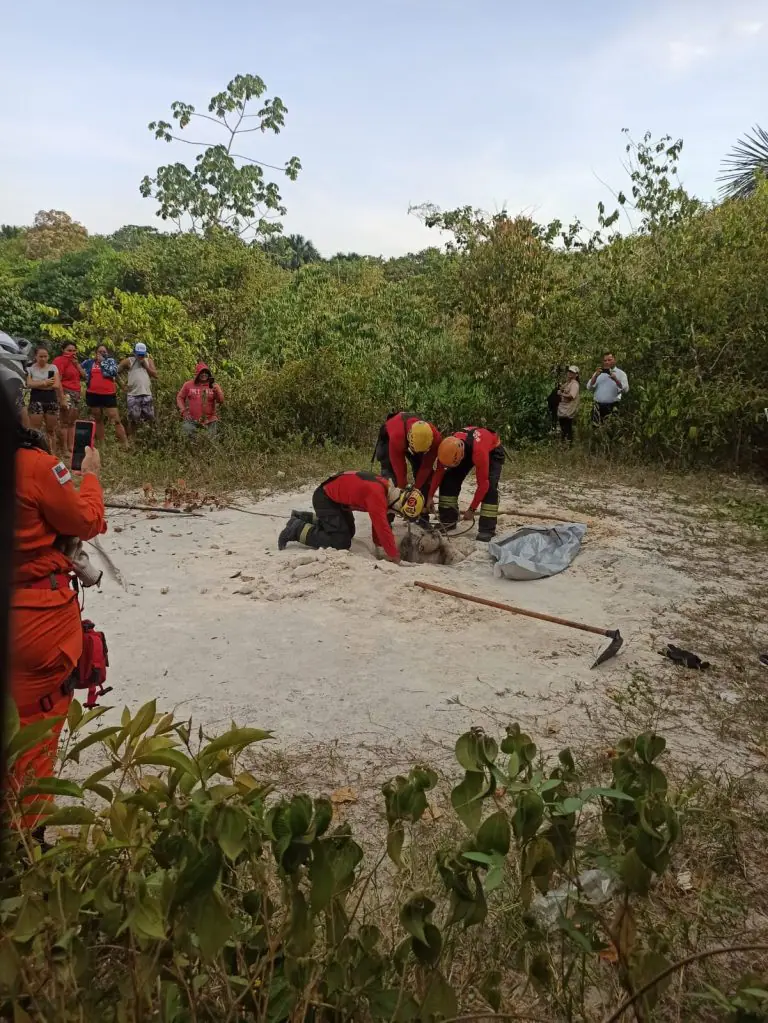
(407, 436)
(457, 454)
(46, 632)
(332, 523)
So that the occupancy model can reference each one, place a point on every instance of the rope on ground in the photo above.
(153, 508)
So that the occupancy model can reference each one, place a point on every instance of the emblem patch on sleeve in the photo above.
(61, 472)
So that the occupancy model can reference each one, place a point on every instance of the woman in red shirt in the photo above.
(72, 375)
(101, 393)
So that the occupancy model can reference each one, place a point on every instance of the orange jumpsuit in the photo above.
(46, 635)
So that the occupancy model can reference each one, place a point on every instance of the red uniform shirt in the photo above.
(46, 635)
(483, 443)
(360, 494)
(397, 428)
(48, 506)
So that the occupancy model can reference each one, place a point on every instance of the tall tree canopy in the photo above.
(224, 189)
(53, 234)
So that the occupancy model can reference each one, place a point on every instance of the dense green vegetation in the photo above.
(321, 349)
(185, 888)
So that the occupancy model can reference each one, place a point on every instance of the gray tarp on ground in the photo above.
(535, 552)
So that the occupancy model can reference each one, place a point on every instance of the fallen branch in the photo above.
(616, 1016)
(261, 515)
(523, 513)
(153, 508)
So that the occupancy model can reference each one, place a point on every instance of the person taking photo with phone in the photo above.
(44, 385)
(141, 371)
(101, 393)
(198, 402)
(608, 384)
(45, 624)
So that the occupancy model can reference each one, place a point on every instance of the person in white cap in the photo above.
(141, 372)
(569, 403)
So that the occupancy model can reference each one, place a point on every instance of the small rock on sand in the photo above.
(304, 559)
(305, 571)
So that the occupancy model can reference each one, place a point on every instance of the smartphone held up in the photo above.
(85, 434)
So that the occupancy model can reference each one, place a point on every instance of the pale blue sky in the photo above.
(392, 102)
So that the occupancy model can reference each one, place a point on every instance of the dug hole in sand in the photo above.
(335, 647)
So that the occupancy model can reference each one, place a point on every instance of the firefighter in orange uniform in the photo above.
(46, 633)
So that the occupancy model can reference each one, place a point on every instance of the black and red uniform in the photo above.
(484, 451)
(392, 451)
(336, 499)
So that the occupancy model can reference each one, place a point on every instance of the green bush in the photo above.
(467, 336)
(182, 886)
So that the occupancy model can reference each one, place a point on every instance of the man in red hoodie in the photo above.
(457, 455)
(198, 401)
(332, 523)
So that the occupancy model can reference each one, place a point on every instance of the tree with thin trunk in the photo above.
(226, 189)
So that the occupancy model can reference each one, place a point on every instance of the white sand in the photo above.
(337, 646)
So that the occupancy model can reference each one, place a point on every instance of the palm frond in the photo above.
(744, 165)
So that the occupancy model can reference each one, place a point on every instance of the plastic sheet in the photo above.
(536, 552)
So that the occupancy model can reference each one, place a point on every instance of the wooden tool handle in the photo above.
(515, 610)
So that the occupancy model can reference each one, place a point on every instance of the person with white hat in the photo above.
(141, 372)
(569, 403)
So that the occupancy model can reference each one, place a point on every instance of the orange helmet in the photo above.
(450, 452)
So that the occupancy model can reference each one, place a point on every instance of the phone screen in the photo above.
(84, 431)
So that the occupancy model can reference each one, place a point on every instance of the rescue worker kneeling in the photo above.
(332, 523)
(46, 630)
(457, 455)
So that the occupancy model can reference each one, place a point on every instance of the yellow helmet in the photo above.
(410, 503)
(420, 437)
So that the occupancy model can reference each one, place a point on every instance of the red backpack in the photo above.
(91, 670)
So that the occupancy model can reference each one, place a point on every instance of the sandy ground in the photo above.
(337, 649)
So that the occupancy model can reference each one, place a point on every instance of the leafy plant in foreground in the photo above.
(182, 888)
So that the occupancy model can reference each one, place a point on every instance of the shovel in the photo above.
(613, 634)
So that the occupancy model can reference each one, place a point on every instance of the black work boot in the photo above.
(305, 516)
(291, 532)
(485, 536)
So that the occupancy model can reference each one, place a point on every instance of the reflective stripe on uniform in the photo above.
(447, 502)
(489, 511)
(305, 533)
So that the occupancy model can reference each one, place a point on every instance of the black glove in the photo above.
(684, 657)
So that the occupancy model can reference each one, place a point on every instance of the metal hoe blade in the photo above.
(612, 649)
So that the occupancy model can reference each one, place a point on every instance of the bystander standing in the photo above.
(198, 401)
(608, 384)
(141, 371)
(72, 375)
(568, 394)
(101, 393)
